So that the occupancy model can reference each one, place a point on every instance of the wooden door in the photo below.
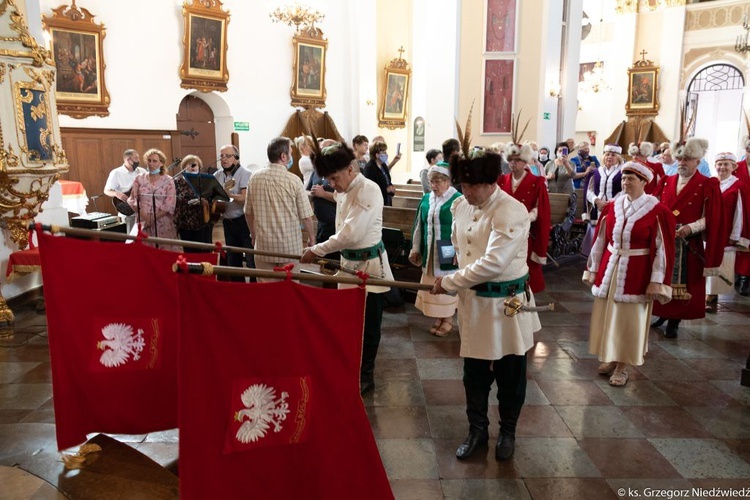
(195, 121)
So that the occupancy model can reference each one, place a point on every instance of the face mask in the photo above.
(543, 157)
(135, 164)
(155, 171)
(383, 157)
(583, 154)
(560, 155)
(290, 163)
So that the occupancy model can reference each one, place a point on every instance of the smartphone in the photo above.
(398, 149)
(564, 151)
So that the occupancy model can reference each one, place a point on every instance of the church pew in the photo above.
(409, 193)
(567, 231)
(400, 218)
(405, 202)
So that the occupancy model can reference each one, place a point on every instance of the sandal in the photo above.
(607, 368)
(619, 378)
(445, 328)
(436, 326)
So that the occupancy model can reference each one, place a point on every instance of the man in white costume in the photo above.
(490, 236)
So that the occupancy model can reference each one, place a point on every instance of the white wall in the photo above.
(144, 53)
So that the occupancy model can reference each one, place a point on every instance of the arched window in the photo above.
(713, 78)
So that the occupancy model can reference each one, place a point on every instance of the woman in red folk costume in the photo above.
(629, 267)
(530, 190)
(742, 266)
(736, 228)
(641, 153)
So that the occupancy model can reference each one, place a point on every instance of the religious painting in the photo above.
(395, 93)
(204, 62)
(501, 26)
(309, 70)
(643, 97)
(497, 107)
(76, 48)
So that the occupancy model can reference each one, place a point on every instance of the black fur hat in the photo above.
(481, 167)
(331, 159)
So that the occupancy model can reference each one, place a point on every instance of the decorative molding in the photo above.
(720, 16)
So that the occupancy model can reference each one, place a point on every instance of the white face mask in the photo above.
(544, 157)
(560, 155)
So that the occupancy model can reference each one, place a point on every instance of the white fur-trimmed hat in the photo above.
(640, 148)
(613, 148)
(693, 148)
(639, 169)
(514, 151)
(726, 156)
(439, 169)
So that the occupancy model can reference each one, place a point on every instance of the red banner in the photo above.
(269, 393)
(113, 354)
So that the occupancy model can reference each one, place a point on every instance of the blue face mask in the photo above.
(155, 171)
(383, 157)
(289, 163)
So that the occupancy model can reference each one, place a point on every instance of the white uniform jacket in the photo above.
(359, 224)
(491, 244)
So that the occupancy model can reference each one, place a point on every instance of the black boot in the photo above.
(712, 303)
(744, 286)
(477, 403)
(671, 331)
(506, 445)
(659, 322)
(477, 438)
(367, 370)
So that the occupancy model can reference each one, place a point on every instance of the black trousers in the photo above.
(202, 235)
(509, 373)
(237, 234)
(371, 340)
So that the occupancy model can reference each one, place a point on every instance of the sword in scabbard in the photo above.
(703, 260)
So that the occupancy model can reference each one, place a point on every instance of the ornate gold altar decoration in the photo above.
(31, 155)
(394, 98)
(77, 48)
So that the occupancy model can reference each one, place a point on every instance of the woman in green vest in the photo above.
(432, 248)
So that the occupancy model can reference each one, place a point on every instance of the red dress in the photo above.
(533, 194)
(742, 262)
(701, 197)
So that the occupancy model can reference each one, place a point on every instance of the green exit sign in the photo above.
(242, 126)
(546, 117)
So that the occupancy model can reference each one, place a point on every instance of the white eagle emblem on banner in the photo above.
(121, 342)
(261, 411)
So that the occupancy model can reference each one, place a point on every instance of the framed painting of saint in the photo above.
(501, 28)
(76, 45)
(309, 69)
(204, 63)
(393, 104)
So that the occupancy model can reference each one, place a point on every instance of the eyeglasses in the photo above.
(226, 156)
(435, 182)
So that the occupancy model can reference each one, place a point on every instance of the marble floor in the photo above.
(681, 423)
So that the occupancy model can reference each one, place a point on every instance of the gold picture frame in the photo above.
(76, 45)
(309, 70)
(204, 55)
(643, 89)
(395, 94)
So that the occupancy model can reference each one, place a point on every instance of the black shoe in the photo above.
(744, 288)
(366, 386)
(475, 439)
(671, 331)
(659, 322)
(505, 447)
(712, 303)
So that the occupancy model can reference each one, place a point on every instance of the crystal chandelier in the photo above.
(297, 15)
(594, 81)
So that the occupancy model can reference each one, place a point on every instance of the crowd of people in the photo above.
(665, 240)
